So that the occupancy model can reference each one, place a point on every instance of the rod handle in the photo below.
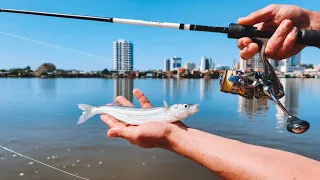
(305, 37)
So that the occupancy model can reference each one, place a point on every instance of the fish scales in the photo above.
(133, 115)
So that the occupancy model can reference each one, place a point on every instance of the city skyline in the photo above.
(176, 62)
(287, 65)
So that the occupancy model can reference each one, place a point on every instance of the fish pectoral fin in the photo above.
(165, 104)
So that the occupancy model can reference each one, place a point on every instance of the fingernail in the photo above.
(109, 121)
(295, 30)
(241, 18)
(105, 117)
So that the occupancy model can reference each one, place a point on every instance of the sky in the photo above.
(151, 45)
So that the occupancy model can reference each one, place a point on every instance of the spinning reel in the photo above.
(261, 85)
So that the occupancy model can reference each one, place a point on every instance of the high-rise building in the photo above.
(205, 63)
(292, 64)
(189, 66)
(175, 63)
(166, 64)
(256, 63)
(287, 65)
(274, 63)
(211, 65)
(122, 55)
(252, 63)
(238, 66)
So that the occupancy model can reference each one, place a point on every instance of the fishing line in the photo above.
(254, 119)
(59, 47)
(204, 95)
(47, 44)
(7, 149)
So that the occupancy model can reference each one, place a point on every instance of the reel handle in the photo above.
(297, 126)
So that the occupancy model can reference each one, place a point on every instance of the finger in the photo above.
(288, 44)
(277, 39)
(249, 51)
(244, 42)
(112, 122)
(266, 26)
(142, 98)
(271, 25)
(123, 101)
(262, 15)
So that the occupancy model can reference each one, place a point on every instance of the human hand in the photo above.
(147, 135)
(285, 20)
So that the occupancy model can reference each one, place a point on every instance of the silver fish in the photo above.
(137, 116)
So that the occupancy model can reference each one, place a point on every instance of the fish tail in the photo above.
(86, 114)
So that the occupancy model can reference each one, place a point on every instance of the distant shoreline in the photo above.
(112, 77)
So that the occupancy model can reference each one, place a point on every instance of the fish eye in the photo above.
(185, 106)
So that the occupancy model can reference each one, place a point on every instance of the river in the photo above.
(39, 120)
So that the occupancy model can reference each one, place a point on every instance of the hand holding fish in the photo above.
(147, 135)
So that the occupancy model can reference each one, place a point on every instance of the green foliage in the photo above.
(105, 72)
(309, 66)
(28, 68)
(17, 71)
(44, 73)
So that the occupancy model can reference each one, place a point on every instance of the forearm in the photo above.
(232, 159)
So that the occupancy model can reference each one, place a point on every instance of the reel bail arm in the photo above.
(274, 90)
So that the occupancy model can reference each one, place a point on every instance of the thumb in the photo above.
(262, 15)
(118, 132)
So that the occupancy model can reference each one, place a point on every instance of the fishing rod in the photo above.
(235, 31)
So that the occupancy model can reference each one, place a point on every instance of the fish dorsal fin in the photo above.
(165, 104)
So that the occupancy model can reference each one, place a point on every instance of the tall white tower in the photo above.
(122, 55)
(205, 63)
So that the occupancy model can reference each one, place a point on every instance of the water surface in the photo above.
(38, 119)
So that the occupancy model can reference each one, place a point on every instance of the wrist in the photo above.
(173, 135)
(314, 18)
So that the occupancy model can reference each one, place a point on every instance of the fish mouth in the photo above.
(195, 108)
